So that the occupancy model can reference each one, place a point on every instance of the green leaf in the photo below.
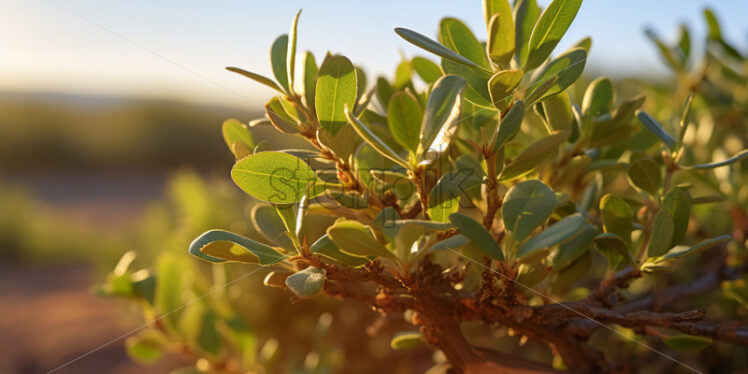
(326, 247)
(509, 125)
(573, 249)
(256, 77)
(275, 177)
(568, 67)
(278, 61)
(292, 50)
(146, 347)
(444, 197)
(678, 203)
(373, 140)
(268, 223)
(455, 35)
(645, 174)
(526, 206)
(598, 98)
(355, 239)
(617, 217)
(549, 29)
(336, 88)
(614, 249)
(501, 87)
(652, 125)
(426, 69)
(406, 340)
(715, 33)
(558, 111)
(662, 234)
(220, 246)
(682, 251)
(404, 116)
(235, 132)
(559, 233)
(666, 53)
(501, 33)
(279, 117)
(310, 79)
(441, 114)
(526, 14)
(687, 343)
(306, 283)
(451, 243)
(476, 90)
(478, 235)
(532, 156)
(585, 43)
(743, 154)
(434, 47)
(384, 92)
(403, 75)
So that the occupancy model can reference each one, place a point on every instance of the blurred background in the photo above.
(110, 141)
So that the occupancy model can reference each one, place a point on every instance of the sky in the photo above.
(178, 49)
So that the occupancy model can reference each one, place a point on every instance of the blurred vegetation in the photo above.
(51, 131)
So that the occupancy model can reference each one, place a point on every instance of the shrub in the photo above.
(515, 229)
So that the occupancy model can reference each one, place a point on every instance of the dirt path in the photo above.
(48, 317)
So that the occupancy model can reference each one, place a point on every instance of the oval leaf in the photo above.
(455, 35)
(355, 239)
(662, 234)
(501, 87)
(559, 233)
(404, 116)
(478, 235)
(275, 177)
(617, 217)
(442, 112)
(278, 60)
(336, 88)
(526, 206)
(645, 174)
(549, 29)
(567, 68)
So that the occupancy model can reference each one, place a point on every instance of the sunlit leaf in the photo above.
(501, 87)
(501, 31)
(355, 239)
(526, 206)
(549, 29)
(256, 77)
(406, 340)
(221, 246)
(558, 233)
(404, 117)
(478, 235)
(434, 47)
(567, 67)
(526, 14)
(278, 61)
(275, 177)
(532, 156)
(509, 125)
(336, 88)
